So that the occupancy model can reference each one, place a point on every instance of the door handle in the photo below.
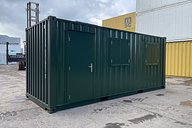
(91, 67)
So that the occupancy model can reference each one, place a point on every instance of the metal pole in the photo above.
(32, 17)
(37, 13)
(29, 14)
(7, 52)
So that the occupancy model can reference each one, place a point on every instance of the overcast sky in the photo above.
(13, 15)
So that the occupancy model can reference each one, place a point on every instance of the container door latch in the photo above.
(91, 67)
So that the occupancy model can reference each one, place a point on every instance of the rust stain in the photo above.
(186, 103)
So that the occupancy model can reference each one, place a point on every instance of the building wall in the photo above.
(179, 59)
(147, 5)
(167, 18)
(124, 22)
(14, 47)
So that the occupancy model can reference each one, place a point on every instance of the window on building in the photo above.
(128, 22)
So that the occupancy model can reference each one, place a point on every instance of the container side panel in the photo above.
(36, 63)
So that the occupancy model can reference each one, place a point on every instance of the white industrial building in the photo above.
(14, 47)
(167, 18)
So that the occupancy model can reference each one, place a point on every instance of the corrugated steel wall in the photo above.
(124, 22)
(146, 5)
(48, 62)
(179, 59)
(37, 59)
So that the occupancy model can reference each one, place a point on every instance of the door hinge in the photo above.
(69, 68)
(69, 97)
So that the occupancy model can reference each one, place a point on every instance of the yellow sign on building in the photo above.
(124, 22)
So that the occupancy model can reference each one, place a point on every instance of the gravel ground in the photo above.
(166, 108)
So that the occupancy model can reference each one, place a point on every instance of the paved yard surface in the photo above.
(166, 108)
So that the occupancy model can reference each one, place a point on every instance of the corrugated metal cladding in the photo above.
(124, 22)
(146, 5)
(169, 18)
(179, 59)
(72, 63)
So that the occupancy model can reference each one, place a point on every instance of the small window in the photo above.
(152, 53)
(120, 52)
(128, 22)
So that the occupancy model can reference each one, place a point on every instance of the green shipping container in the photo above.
(72, 63)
